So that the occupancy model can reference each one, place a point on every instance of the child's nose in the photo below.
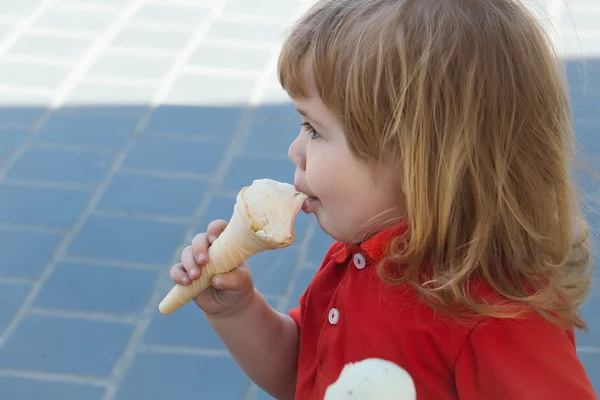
(296, 155)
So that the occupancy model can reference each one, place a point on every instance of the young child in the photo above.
(435, 147)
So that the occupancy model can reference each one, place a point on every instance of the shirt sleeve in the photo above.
(521, 359)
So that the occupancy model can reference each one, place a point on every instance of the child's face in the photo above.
(351, 198)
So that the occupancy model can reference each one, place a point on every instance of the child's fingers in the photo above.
(179, 276)
(214, 229)
(233, 280)
(189, 263)
(200, 248)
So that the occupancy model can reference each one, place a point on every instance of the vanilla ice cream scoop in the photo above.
(263, 219)
(371, 379)
(272, 207)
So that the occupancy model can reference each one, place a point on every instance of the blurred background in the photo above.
(125, 127)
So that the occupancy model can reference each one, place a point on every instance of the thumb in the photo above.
(233, 280)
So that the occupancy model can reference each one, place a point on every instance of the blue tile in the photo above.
(12, 296)
(38, 206)
(220, 122)
(583, 74)
(276, 113)
(244, 170)
(87, 130)
(9, 140)
(262, 395)
(302, 281)
(153, 195)
(127, 240)
(319, 244)
(61, 166)
(585, 106)
(219, 208)
(271, 139)
(70, 346)
(591, 363)
(272, 270)
(17, 258)
(167, 154)
(109, 290)
(591, 314)
(186, 327)
(23, 116)
(29, 389)
(589, 137)
(165, 376)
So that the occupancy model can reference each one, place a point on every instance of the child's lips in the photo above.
(309, 204)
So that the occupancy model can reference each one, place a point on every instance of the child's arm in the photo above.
(521, 360)
(264, 343)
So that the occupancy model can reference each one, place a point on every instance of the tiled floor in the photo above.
(127, 125)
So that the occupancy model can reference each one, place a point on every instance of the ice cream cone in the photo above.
(263, 219)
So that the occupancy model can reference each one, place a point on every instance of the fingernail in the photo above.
(194, 272)
(212, 238)
(218, 282)
(201, 258)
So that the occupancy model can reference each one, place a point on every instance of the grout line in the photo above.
(161, 26)
(30, 228)
(242, 18)
(170, 219)
(96, 7)
(132, 51)
(179, 175)
(30, 90)
(43, 145)
(50, 377)
(23, 58)
(184, 350)
(109, 263)
(64, 33)
(16, 280)
(242, 44)
(48, 184)
(124, 81)
(227, 72)
(588, 349)
(24, 25)
(89, 315)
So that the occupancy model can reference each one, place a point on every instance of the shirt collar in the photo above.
(374, 247)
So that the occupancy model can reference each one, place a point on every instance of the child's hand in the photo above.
(230, 292)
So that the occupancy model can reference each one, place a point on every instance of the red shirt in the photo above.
(348, 313)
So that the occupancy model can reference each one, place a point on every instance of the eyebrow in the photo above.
(305, 114)
(301, 111)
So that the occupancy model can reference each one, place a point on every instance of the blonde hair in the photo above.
(468, 98)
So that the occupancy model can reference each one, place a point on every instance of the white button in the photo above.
(359, 261)
(334, 316)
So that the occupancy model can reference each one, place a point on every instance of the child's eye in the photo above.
(311, 131)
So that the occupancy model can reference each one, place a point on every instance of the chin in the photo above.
(327, 227)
